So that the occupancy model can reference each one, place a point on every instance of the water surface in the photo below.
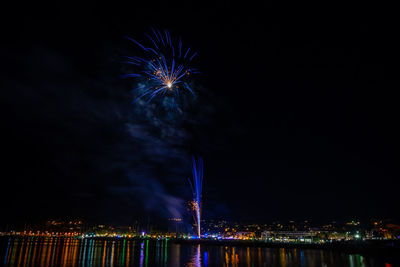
(127, 252)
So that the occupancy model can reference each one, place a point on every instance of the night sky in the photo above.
(296, 116)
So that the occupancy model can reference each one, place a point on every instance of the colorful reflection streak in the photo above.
(66, 251)
(195, 260)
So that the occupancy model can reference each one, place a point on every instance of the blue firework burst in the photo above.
(164, 69)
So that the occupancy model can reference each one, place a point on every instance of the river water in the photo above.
(35, 251)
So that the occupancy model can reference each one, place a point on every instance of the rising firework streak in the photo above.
(196, 184)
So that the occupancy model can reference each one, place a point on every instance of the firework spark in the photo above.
(196, 185)
(164, 69)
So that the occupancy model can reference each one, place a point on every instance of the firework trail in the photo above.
(196, 185)
(164, 69)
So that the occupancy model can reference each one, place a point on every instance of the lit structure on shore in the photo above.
(196, 185)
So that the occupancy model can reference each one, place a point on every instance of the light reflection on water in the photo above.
(124, 252)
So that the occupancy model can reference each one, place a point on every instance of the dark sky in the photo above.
(296, 115)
